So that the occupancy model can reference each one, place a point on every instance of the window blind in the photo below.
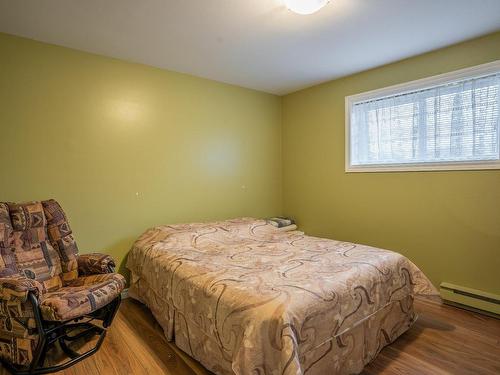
(453, 122)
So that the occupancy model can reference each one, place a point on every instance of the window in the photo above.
(446, 122)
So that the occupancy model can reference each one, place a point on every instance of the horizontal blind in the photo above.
(454, 122)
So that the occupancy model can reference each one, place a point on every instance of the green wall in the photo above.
(124, 147)
(92, 132)
(448, 223)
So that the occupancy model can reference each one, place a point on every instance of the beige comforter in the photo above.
(245, 298)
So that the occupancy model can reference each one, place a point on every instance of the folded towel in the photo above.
(288, 228)
(280, 221)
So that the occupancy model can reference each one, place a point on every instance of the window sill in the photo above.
(427, 167)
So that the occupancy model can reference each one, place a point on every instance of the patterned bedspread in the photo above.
(245, 298)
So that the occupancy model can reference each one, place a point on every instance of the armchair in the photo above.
(49, 294)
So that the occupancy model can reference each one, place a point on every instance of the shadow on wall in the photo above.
(121, 247)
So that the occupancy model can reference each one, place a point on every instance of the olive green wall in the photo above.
(448, 223)
(124, 146)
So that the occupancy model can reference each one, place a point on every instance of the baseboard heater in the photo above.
(470, 298)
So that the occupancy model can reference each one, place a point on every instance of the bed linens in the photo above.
(242, 297)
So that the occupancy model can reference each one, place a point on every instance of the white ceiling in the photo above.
(253, 43)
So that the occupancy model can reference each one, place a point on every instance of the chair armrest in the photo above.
(17, 288)
(95, 263)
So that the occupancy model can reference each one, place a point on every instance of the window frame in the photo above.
(407, 87)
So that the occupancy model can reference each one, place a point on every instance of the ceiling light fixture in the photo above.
(305, 6)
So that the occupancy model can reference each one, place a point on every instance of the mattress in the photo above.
(243, 298)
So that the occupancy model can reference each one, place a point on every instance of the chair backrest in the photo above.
(36, 240)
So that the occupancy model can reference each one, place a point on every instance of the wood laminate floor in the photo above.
(444, 340)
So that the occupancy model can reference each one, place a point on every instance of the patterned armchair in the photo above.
(47, 291)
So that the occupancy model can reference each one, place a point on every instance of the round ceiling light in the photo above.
(305, 6)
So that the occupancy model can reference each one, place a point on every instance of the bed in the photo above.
(244, 298)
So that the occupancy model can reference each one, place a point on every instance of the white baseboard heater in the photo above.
(470, 298)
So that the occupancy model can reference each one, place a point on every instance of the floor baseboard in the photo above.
(125, 293)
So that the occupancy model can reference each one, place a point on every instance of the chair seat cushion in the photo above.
(81, 296)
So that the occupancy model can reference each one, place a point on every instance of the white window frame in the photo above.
(429, 82)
